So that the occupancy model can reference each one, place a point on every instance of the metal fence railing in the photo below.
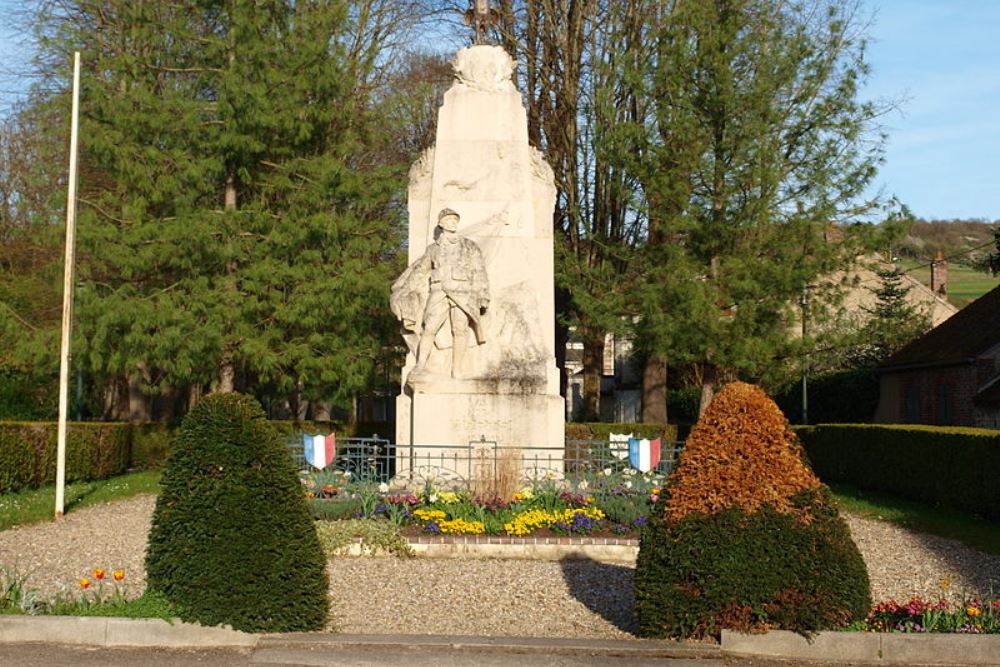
(377, 460)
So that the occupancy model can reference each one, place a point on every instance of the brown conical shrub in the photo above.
(744, 536)
(741, 453)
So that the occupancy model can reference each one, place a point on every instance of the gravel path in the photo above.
(484, 597)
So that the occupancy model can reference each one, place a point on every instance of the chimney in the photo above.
(939, 275)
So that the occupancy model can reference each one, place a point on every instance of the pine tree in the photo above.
(234, 230)
(754, 144)
(894, 320)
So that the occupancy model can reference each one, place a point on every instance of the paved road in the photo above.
(53, 655)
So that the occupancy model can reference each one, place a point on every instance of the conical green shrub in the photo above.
(744, 536)
(232, 541)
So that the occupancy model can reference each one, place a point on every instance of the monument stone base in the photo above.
(450, 436)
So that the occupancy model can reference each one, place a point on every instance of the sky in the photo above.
(939, 59)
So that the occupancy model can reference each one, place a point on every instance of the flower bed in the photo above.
(969, 616)
(612, 502)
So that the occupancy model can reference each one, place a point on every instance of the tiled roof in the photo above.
(965, 335)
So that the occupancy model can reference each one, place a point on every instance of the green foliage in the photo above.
(624, 509)
(334, 510)
(229, 152)
(376, 535)
(849, 396)
(19, 508)
(15, 596)
(894, 320)
(752, 138)
(152, 604)
(749, 571)
(949, 466)
(232, 540)
(601, 430)
(28, 452)
(23, 398)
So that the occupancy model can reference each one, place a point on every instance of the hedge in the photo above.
(601, 430)
(93, 451)
(97, 450)
(951, 466)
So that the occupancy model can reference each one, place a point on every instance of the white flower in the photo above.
(383, 488)
(628, 471)
(433, 498)
(582, 486)
(607, 472)
(347, 473)
(628, 484)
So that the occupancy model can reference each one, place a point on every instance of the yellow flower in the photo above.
(429, 515)
(448, 497)
(944, 583)
(85, 583)
(973, 611)
(98, 573)
(462, 527)
(118, 575)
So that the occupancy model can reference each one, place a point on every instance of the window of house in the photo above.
(912, 404)
(942, 405)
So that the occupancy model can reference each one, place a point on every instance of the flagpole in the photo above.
(67, 308)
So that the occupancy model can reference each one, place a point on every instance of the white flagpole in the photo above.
(67, 309)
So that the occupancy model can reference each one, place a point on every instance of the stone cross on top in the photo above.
(480, 15)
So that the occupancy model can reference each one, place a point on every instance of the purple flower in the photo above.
(433, 528)
(640, 521)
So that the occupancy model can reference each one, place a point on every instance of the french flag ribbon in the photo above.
(320, 450)
(644, 454)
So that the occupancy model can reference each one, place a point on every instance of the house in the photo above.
(950, 375)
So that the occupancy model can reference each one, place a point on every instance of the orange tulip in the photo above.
(118, 575)
(85, 583)
(98, 574)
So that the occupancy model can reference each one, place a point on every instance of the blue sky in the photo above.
(941, 58)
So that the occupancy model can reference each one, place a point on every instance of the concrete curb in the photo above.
(870, 647)
(632, 648)
(110, 631)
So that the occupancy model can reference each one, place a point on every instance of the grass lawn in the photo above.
(964, 284)
(975, 532)
(37, 505)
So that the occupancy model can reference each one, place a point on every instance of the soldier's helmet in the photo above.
(448, 219)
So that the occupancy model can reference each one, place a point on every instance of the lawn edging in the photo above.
(115, 631)
(885, 648)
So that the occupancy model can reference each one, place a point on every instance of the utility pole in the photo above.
(804, 302)
(67, 308)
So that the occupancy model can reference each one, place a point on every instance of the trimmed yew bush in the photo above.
(744, 536)
(232, 541)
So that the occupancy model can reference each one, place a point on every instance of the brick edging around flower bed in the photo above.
(602, 549)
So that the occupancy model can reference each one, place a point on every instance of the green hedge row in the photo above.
(93, 451)
(951, 466)
(100, 450)
(601, 430)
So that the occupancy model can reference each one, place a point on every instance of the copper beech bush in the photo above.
(744, 536)
(741, 453)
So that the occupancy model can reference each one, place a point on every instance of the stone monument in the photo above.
(477, 300)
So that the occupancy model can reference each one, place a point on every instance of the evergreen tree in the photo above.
(754, 145)
(233, 229)
(894, 320)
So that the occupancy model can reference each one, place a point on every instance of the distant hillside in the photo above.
(961, 241)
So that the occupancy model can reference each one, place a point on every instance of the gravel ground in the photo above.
(481, 597)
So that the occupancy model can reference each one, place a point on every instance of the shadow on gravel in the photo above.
(605, 589)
